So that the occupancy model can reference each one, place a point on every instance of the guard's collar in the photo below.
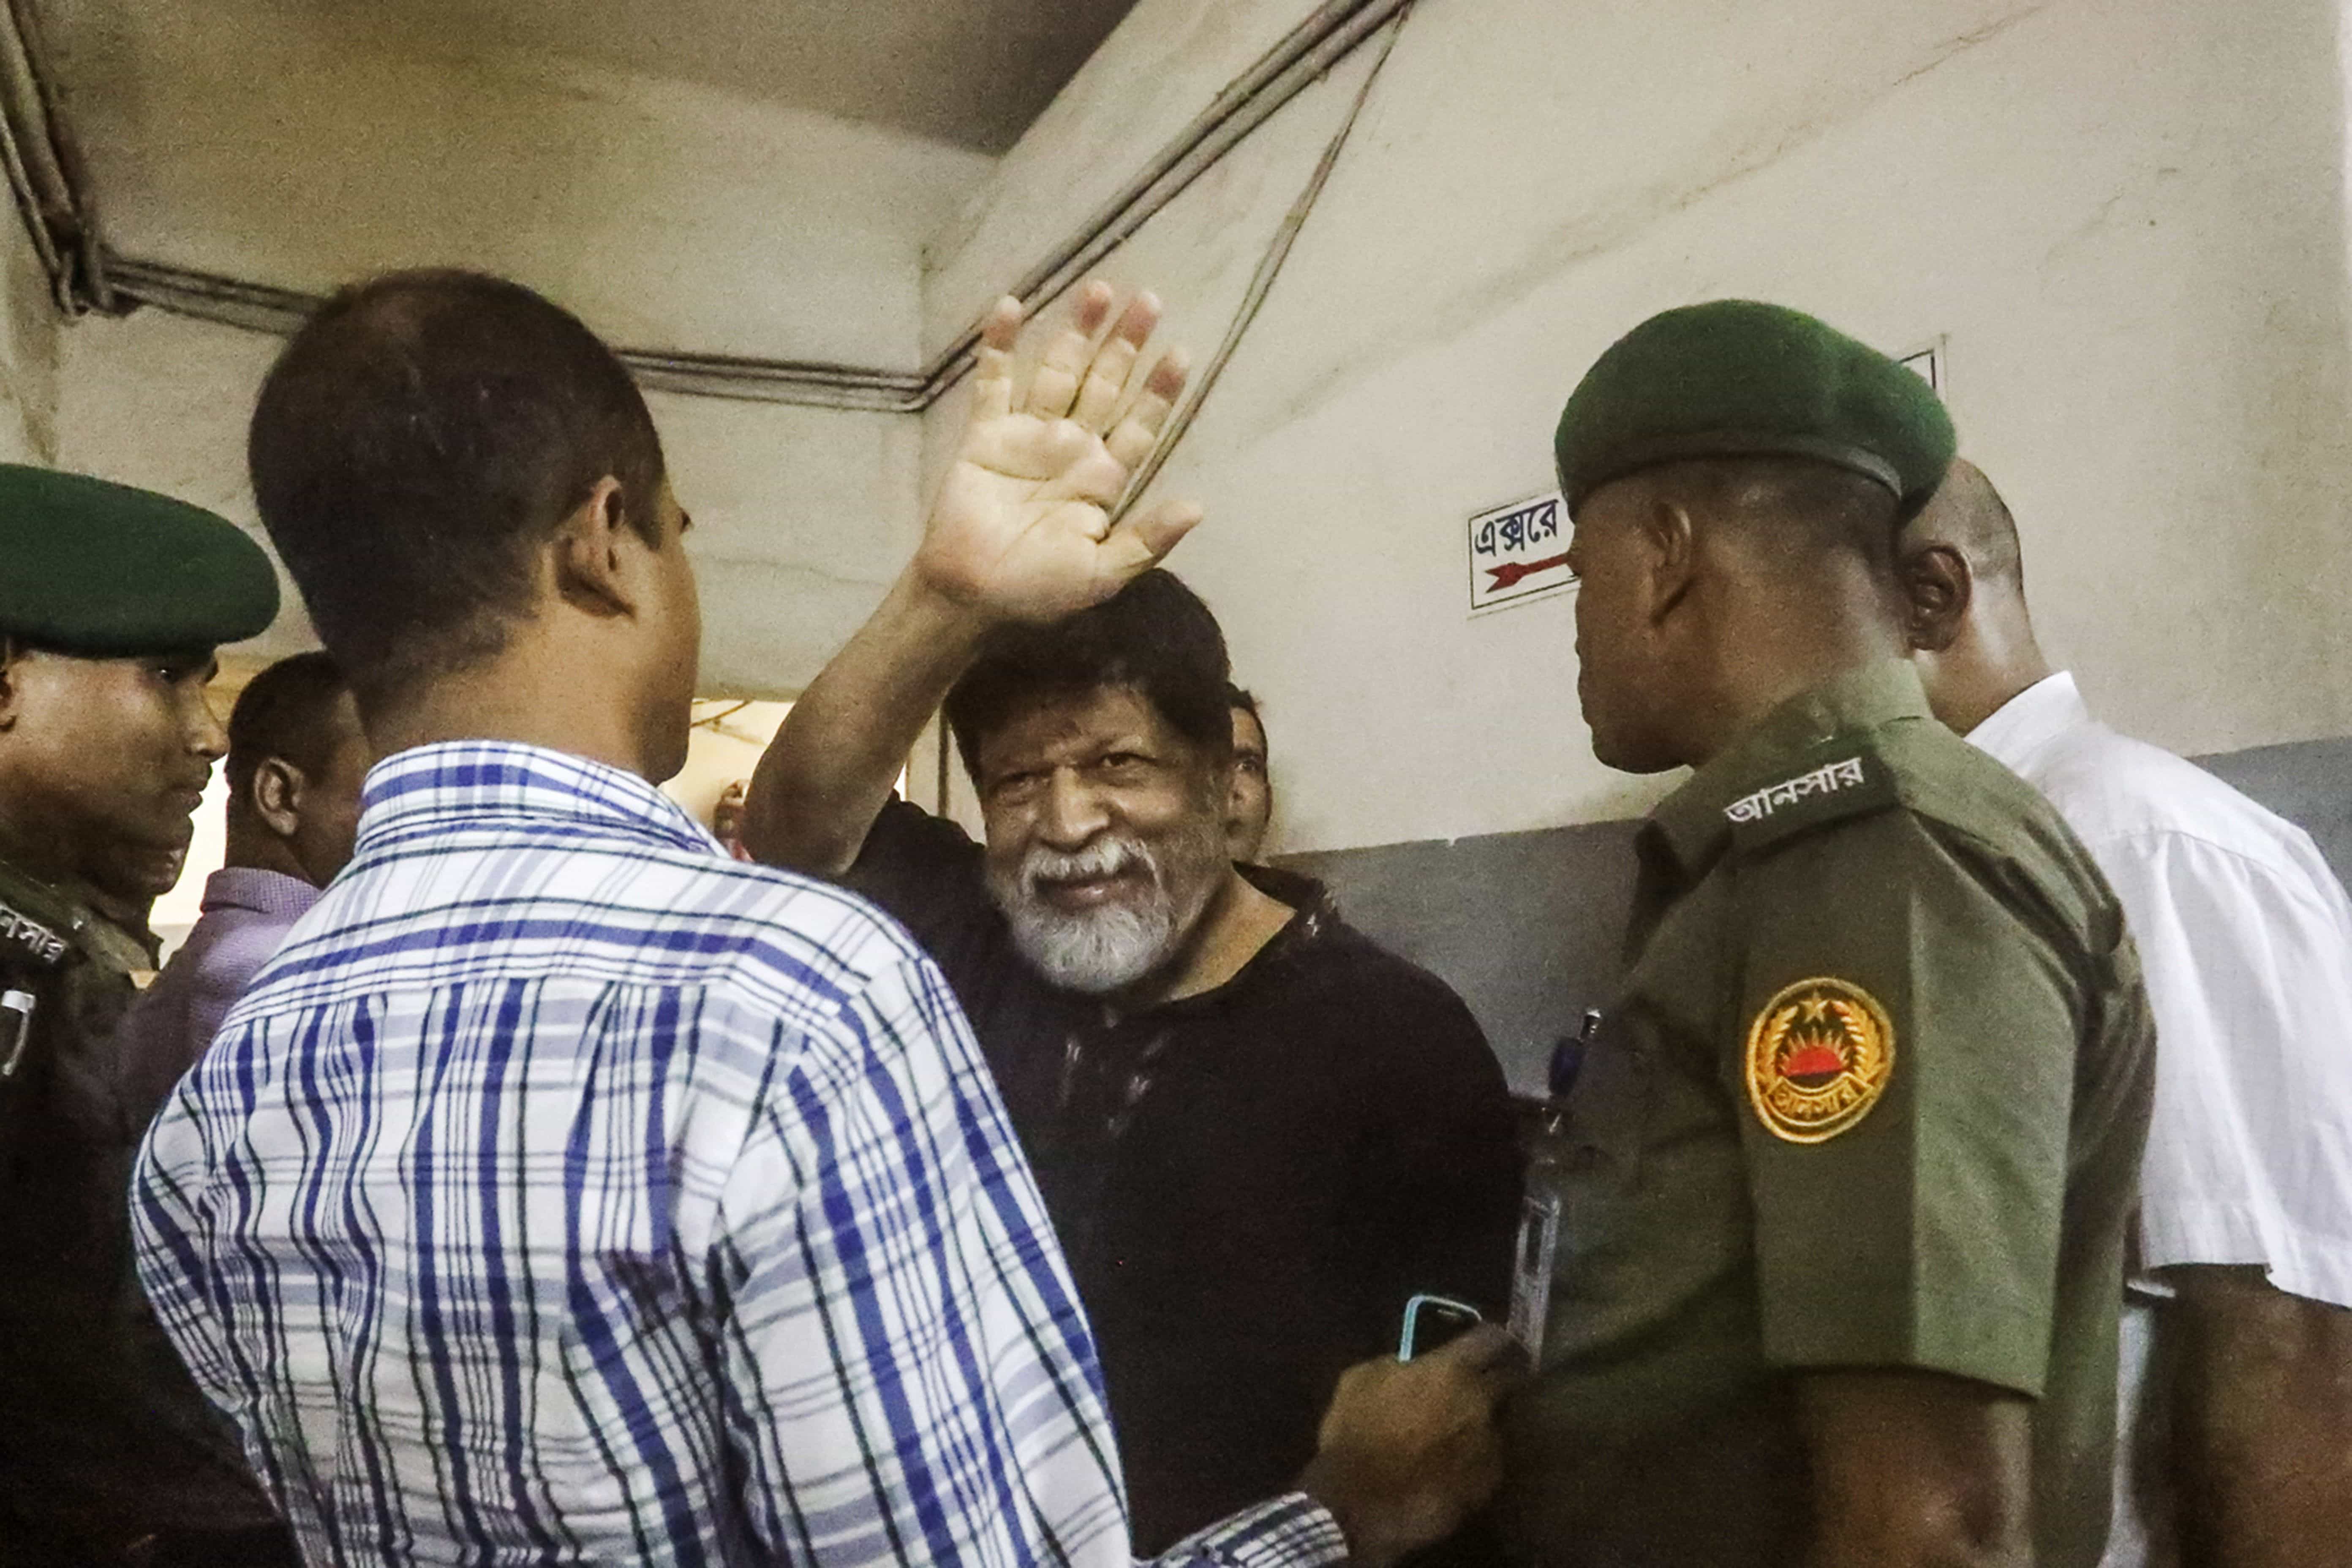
(1690, 824)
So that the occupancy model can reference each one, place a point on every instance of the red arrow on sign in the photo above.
(1510, 572)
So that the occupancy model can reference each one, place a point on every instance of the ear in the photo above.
(276, 795)
(12, 686)
(1670, 543)
(591, 553)
(1938, 589)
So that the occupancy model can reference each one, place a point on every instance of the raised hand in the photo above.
(1022, 527)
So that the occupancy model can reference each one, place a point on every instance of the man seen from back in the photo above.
(2237, 1342)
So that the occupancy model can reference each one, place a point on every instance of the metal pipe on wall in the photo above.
(261, 307)
(1281, 74)
(1294, 63)
(44, 169)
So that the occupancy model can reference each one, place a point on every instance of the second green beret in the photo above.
(104, 570)
(1739, 378)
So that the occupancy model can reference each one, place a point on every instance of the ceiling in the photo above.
(970, 72)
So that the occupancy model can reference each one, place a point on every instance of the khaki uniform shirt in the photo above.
(1874, 1096)
(103, 1436)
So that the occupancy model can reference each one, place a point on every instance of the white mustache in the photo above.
(1099, 950)
(1105, 857)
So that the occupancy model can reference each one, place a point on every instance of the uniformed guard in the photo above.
(111, 603)
(1848, 1164)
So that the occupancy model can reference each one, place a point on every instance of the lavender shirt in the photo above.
(246, 914)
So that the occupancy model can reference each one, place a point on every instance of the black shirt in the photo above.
(1248, 1183)
(104, 1436)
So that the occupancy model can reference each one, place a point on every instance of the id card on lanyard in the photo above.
(1540, 1211)
(1531, 1271)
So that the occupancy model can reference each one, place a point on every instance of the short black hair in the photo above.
(282, 712)
(414, 442)
(1804, 509)
(1153, 637)
(1242, 699)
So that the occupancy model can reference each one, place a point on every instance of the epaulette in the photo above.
(1839, 779)
(24, 940)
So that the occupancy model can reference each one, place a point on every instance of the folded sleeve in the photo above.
(1904, 1057)
(2249, 966)
(1292, 1531)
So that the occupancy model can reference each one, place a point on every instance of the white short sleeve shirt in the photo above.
(2246, 935)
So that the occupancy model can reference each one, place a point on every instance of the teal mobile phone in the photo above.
(1433, 1320)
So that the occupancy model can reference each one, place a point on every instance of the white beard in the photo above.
(1100, 950)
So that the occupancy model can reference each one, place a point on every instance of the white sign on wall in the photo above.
(1520, 553)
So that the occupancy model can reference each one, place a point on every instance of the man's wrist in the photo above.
(940, 619)
(1336, 1480)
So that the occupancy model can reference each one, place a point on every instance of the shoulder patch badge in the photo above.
(1819, 1056)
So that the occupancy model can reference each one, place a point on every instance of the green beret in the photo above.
(1736, 378)
(105, 571)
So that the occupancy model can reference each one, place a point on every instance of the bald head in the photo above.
(1968, 515)
(1963, 580)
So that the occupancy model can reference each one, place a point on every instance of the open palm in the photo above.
(1022, 526)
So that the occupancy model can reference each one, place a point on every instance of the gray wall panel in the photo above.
(2309, 783)
(1526, 926)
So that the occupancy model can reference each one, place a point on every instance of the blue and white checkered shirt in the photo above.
(564, 1192)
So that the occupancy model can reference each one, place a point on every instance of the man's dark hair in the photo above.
(1241, 700)
(1153, 637)
(416, 441)
(282, 712)
(1802, 509)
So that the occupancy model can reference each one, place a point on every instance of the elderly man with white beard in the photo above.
(1258, 1133)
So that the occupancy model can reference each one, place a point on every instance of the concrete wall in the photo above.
(1156, 71)
(294, 145)
(300, 145)
(800, 514)
(2124, 219)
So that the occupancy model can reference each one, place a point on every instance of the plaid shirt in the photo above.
(565, 1191)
